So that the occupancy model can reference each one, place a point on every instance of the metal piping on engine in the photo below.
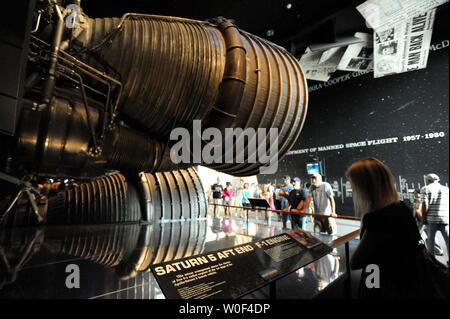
(49, 82)
(231, 89)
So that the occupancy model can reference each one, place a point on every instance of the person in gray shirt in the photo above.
(435, 208)
(322, 195)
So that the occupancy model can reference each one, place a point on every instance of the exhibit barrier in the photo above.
(265, 210)
(343, 240)
(129, 250)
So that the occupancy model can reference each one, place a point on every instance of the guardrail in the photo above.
(282, 211)
(344, 240)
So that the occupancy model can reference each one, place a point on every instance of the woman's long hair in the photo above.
(372, 184)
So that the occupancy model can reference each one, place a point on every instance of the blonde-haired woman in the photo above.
(389, 235)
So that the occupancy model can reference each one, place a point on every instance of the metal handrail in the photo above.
(344, 239)
(284, 212)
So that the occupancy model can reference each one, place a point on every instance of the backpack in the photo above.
(433, 275)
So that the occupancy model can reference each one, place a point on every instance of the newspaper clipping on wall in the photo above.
(403, 47)
(317, 68)
(359, 56)
(327, 54)
(388, 13)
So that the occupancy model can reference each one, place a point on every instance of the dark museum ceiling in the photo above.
(295, 23)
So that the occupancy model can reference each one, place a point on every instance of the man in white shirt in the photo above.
(322, 194)
(435, 202)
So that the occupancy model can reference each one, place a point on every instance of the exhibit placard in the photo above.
(236, 271)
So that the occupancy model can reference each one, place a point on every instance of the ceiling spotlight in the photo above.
(288, 6)
(270, 32)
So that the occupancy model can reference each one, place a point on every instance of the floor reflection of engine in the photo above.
(16, 250)
(125, 250)
(105, 245)
(164, 242)
(161, 242)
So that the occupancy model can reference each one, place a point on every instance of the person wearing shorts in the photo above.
(217, 190)
(284, 193)
(322, 195)
(228, 198)
(246, 196)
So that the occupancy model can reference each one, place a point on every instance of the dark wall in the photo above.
(362, 109)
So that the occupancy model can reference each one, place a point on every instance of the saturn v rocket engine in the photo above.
(102, 95)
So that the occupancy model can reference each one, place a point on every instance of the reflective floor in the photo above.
(114, 260)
